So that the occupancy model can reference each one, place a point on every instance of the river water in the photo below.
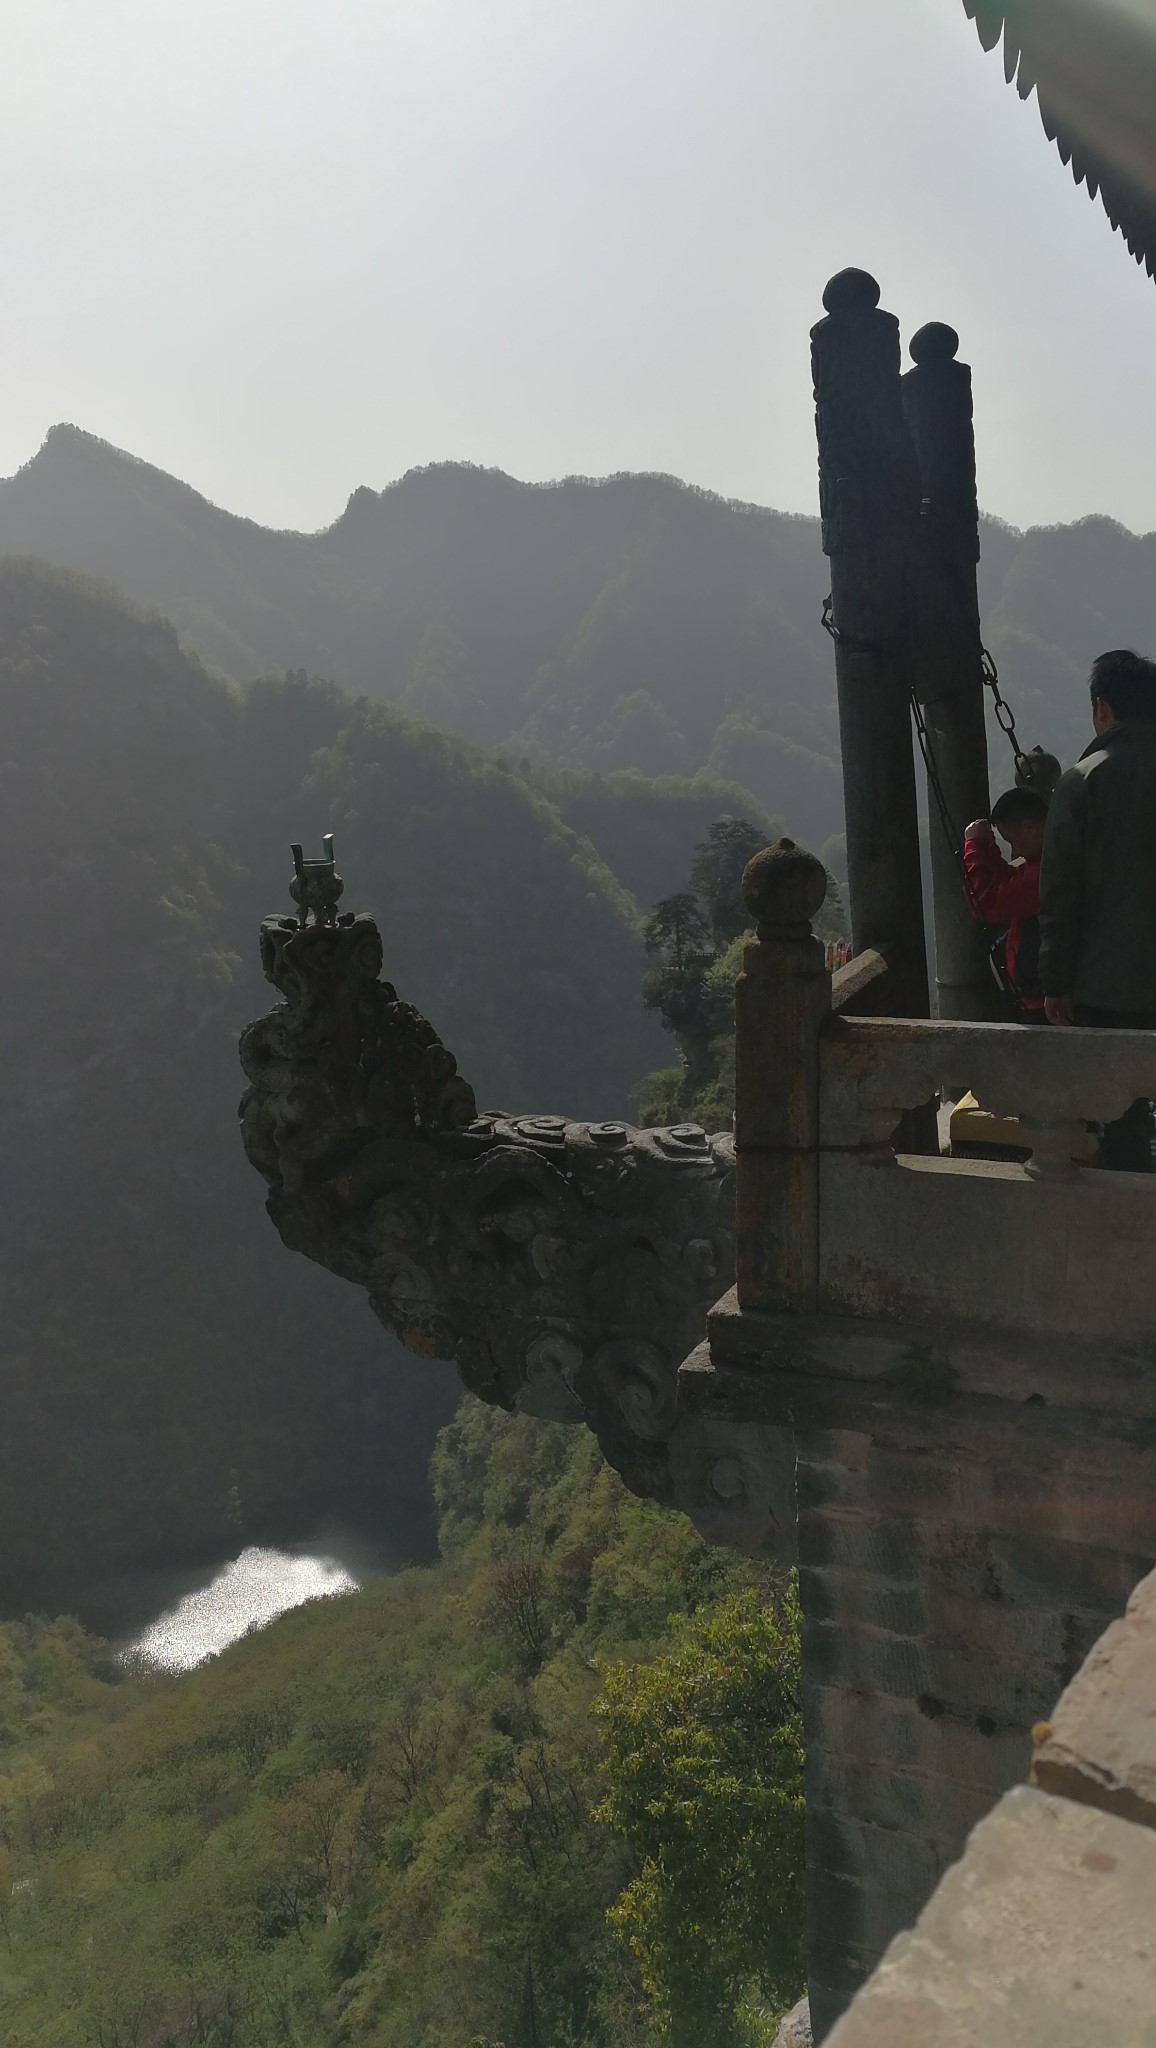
(245, 1594)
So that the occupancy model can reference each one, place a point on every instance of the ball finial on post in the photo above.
(781, 999)
(851, 291)
(784, 887)
(935, 343)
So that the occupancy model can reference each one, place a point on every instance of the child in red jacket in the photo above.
(1010, 895)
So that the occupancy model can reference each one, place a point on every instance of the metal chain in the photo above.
(1006, 719)
(1004, 715)
(951, 830)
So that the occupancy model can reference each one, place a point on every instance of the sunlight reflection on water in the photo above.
(251, 1591)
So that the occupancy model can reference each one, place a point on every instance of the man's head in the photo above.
(1019, 816)
(1123, 685)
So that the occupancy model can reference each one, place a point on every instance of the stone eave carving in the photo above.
(566, 1267)
(1092, 66)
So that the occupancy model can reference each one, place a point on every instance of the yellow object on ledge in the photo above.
(971, 1126)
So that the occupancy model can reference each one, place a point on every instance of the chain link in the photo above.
(1004, 715)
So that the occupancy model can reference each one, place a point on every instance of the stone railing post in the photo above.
(947, 652)
(869, 495)
(781, 999)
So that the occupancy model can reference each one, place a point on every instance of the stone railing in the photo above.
(1045, 1931)
(951, 1368)
(835, 1216)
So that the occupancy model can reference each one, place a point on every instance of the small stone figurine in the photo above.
(316, 885)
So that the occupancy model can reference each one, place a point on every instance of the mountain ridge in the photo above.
(628, 623)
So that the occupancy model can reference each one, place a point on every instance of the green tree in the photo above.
(716, 876)
(703, 1763)
(676, 931)
(698, 938)
(676, 935)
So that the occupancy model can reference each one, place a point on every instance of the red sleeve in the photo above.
(1002, 892)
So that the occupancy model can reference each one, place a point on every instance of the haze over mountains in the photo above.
(629, 623)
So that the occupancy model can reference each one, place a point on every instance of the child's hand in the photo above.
(979, 828)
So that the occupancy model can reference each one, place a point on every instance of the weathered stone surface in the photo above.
(1100, 1744)
(981, 1240)
(781, 997)
(566, 1267)
(875, 1067)
(736, 1481)
(795, 2028)
(1044, 1936)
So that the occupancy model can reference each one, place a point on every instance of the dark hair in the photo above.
(1018, 807)
(1126, 682)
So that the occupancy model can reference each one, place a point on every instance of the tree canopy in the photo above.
(393, 1819)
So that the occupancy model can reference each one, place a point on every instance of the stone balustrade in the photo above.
(1041, 1246)
(949, 1369)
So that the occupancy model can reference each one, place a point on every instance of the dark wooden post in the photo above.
(869, 494)
(781, 999)
(946, 654)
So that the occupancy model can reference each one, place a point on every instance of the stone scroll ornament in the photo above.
(566, 1268)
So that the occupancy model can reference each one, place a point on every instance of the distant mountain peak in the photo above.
(67, 439)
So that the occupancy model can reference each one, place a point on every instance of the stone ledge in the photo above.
(1061, 1379)
(1043, 1936)
(1100, 1745)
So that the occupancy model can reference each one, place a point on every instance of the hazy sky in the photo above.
(284, 247)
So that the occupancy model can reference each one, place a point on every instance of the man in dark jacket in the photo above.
(1098, 880)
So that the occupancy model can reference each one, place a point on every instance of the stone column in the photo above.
(869, 495)
(946, 654)
(781, 998)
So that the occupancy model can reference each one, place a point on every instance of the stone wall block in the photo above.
(1084, 1579)
(838, 1966)
(856, 1542)
(1003, 1689)
(862, 1599)
(845, 1725)
(886, 1481)
(904, 1865)
(935, 1806)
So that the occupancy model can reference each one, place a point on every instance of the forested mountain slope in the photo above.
(630, 623)
(404, 1817)
(172, 1382)
(626, 624)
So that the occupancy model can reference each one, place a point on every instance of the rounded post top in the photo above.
(935, 343)
(784, 887)
(851, 291)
